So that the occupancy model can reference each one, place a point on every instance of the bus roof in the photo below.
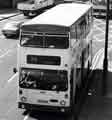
(61, 15)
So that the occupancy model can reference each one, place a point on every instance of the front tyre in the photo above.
(26, 13)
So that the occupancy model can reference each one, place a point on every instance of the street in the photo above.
(99, 41)
(8, 60)
(8, 83)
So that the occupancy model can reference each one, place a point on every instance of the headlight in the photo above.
(62, 102)
(23, 99)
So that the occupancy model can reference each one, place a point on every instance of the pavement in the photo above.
(98, 104)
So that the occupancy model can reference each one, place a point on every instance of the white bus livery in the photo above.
(54, 57)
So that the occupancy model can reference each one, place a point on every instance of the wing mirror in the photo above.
(14, 70)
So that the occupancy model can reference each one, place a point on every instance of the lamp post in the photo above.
(105, 62)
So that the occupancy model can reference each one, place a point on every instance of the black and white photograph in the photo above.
(56, 60)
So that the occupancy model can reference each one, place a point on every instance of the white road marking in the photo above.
(7, 15)
(96, 58)
(26, 117)
(99, 28)
(15, 75)
(99, 21)
(8, 51)
(97, 54)
(5, 53)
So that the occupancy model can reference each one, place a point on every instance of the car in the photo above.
(11, 29)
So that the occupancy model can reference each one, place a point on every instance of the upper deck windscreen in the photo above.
(45, 41)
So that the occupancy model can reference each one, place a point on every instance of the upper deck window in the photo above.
(45, 41)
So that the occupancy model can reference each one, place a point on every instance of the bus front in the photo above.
(44, 71)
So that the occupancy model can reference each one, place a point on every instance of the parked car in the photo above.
(11, 29)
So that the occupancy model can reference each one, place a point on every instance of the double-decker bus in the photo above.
(54, 57)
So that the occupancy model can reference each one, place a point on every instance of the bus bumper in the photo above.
(31, 107)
